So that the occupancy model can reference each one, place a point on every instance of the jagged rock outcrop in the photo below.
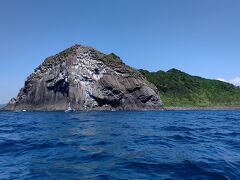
(84, 79)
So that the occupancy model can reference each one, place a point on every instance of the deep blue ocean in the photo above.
(120, 145)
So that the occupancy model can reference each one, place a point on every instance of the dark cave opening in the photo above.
(60, 86)
(101, 101)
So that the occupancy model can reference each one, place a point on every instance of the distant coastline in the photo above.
(179, 90)
(203, 108)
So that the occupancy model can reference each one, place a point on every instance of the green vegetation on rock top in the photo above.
(116, 63)
(177, 88)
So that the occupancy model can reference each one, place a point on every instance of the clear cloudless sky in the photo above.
(200, 37)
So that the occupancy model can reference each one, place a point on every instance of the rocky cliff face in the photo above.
(84, 79)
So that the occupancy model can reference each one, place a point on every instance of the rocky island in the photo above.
(81, 78)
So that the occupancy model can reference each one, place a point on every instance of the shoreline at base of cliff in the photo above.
(142, 110)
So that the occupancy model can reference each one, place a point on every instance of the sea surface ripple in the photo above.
(120, 145)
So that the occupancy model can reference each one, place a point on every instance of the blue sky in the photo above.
(200, 37)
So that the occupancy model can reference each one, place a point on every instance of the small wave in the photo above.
(185, 169)
(234, 134)
(226, 134)
(183, 138)
(232, 118)
(96, 157)
(177, 128)
(101, 143)
(154, 141)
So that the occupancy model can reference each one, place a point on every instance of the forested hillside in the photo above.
(181, 89)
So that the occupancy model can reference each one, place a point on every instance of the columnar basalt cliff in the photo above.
(83, 79)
